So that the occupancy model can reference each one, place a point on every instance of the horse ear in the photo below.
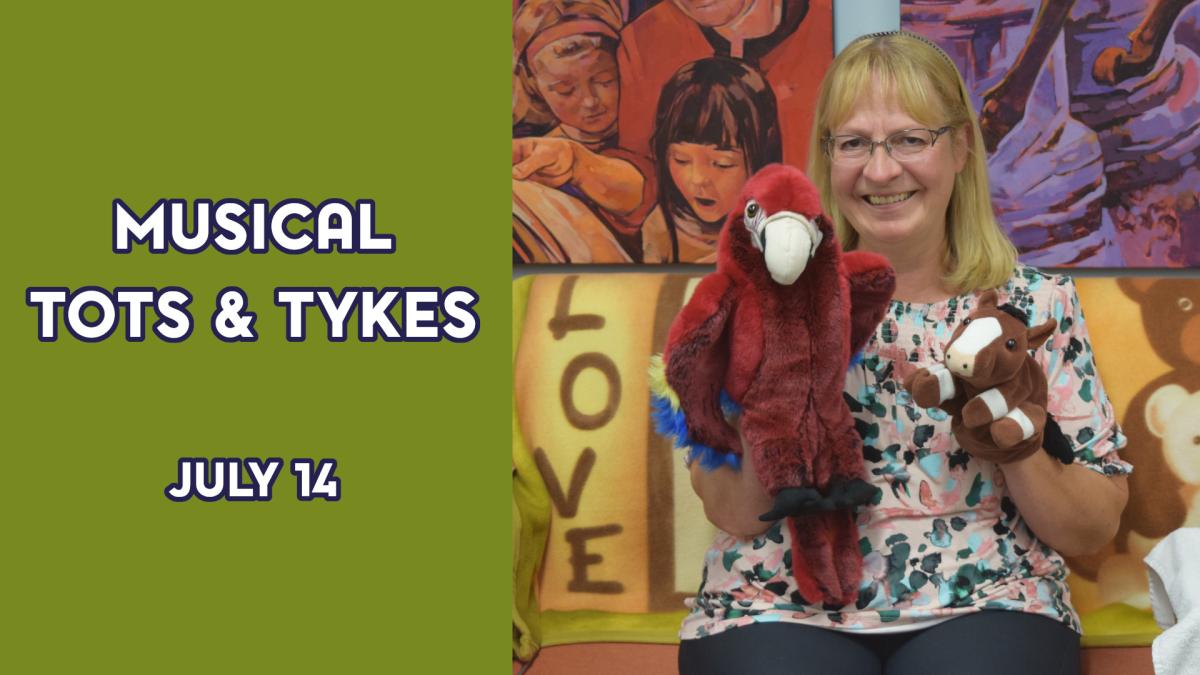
(988, 298)
(1038, 334)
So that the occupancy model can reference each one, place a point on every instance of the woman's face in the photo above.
(712, 13)
(891, 203)
(580, 88)
(709, 178)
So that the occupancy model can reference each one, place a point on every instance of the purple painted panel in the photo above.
(1091, 114)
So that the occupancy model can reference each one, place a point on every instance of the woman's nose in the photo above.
(881, 167)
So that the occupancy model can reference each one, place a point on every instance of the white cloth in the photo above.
(1174, 570)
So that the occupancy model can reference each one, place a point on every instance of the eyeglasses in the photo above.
(902, 146)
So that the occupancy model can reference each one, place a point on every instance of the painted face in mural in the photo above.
(713, 13)
(708, 177)
(578, 80)
(889, 202)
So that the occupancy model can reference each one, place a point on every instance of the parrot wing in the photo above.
(872, 282)
(697, 359)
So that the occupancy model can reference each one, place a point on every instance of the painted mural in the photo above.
(1091, 117)
(635, 124)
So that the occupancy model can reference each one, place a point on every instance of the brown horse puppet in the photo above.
(992, 387)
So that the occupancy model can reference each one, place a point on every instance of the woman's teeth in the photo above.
(884, 200)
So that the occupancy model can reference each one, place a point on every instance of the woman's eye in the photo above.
(853, 143)
(723, 165)
(910, 141)
(563, 92)
(681, 161)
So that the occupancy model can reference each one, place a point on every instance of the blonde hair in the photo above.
(534, 17)
(929, 88)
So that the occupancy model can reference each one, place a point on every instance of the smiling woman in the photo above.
(964, 540)
(939, 196)
(894, 197)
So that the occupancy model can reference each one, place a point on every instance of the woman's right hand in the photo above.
(614, 184)
(549, 161)
(733, 500)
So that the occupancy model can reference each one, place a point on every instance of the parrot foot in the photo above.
(791, 501)
(842, 494)
(852, 493)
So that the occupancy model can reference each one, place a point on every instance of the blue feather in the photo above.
(672, 423)
(729, 406)
(712, 459)
(668, 421)
(856, 360)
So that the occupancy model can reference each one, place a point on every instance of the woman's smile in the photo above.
(889, 199)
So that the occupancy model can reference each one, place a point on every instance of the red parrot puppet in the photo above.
(772, 332)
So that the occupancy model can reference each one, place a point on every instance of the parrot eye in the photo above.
(752, 210)
(753, 220)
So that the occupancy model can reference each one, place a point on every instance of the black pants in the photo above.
(992, 642)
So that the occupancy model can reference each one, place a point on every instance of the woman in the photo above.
(565, 98)
(717, 124)
(565, 70)
(962, 558)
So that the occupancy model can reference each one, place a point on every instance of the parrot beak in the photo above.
(789, 241)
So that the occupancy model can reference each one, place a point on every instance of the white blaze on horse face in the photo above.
(980, 333)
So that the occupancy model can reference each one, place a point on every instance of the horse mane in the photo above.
(1011, 310)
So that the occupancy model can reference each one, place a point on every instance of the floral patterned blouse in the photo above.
(945, 539)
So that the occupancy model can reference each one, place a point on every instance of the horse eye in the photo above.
(967, 321)
(1011, 344)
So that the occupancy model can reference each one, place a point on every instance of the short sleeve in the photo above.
(1077, 398)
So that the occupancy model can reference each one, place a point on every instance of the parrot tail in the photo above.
(826, 558)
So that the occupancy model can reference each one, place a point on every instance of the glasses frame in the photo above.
(887, 147)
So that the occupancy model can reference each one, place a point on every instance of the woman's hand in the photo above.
(613, 184)
(733, 500)
(549, 161)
